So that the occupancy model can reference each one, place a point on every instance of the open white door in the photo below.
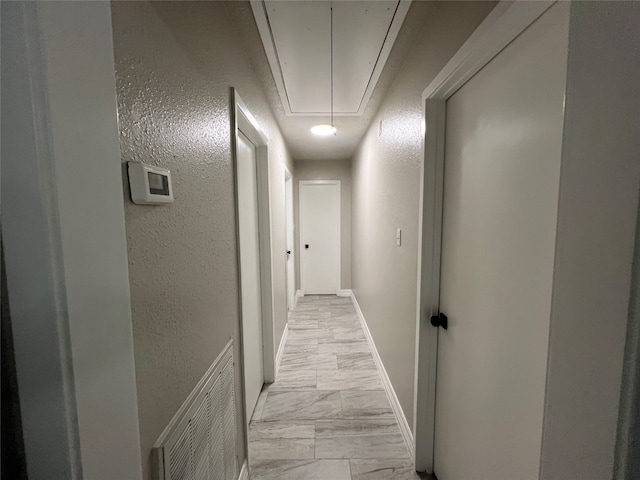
(289, 239)
(320, 236)
(249, 239)
(254, 254)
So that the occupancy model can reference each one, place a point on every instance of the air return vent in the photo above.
(200, 441)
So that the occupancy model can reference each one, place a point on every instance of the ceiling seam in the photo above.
(379, 53)
(275, 50)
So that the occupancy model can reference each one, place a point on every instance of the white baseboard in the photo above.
(391, 394)
(283, 342)
(344, 293)
(244, 472)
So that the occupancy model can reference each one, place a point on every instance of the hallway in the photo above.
(327, 416)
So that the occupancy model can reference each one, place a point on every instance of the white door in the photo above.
(320, 237)
(289, 238)
(502, 167)
(250, 271)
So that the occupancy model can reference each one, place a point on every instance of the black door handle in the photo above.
(288, 252)
(306, 245)
(440, 320)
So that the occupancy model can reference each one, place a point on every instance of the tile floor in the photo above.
(327, 416)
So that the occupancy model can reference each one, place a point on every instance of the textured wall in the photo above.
(386, 182)
(175, 64)
(327, 170)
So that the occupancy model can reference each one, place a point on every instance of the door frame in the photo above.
(243, 120)
(302, 183)
(290, 226)
(503, 24)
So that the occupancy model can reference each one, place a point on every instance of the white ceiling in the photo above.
(297, 39)
(303, 145)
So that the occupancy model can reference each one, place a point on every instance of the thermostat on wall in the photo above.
(149, 185)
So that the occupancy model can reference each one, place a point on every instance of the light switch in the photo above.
(398, 237)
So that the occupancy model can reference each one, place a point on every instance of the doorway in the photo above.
(251, 166)
(289, 239)
(488, 256)
(320, 237)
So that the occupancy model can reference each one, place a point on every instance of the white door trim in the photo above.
(301, 183)
(65, 243)
(505, 22)
(243, 120)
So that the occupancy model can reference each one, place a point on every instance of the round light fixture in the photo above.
(323, 129)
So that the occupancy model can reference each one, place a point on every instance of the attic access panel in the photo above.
(297, 39)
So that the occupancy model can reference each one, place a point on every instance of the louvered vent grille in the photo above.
(179, 456)
(200, 441)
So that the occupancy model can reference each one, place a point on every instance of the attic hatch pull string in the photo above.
(331, 54)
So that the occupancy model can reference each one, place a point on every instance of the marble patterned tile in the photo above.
(300, 348)
(343, 347)
(349, 333)
(356, 361)
(306, 361)
(341, 301)
(308, 300)
(349, 380)
(345, 317)
(281, 440)
(314, 334)
(295, 379)
(365, 404)
(327, 402)
(342, 316)
(357, 426)
(279, 430)
(308, 313)
(307, 325)
(298, 340)
(386, 469)
(312, 307)
(343, 310)
(300, 470)
(302, 405)
(362, 446)
(282, 449)
(305, 316)
(338, 323)
(343, 340)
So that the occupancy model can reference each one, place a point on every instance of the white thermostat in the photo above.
(149, 185)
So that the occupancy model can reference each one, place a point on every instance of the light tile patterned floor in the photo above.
(327, 416)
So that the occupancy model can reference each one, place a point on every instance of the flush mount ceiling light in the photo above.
(325, 128)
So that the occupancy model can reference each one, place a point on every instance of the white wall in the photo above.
(386, 191)
(63, 227)
(175, 65)
(326, 170)
(598, 203)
